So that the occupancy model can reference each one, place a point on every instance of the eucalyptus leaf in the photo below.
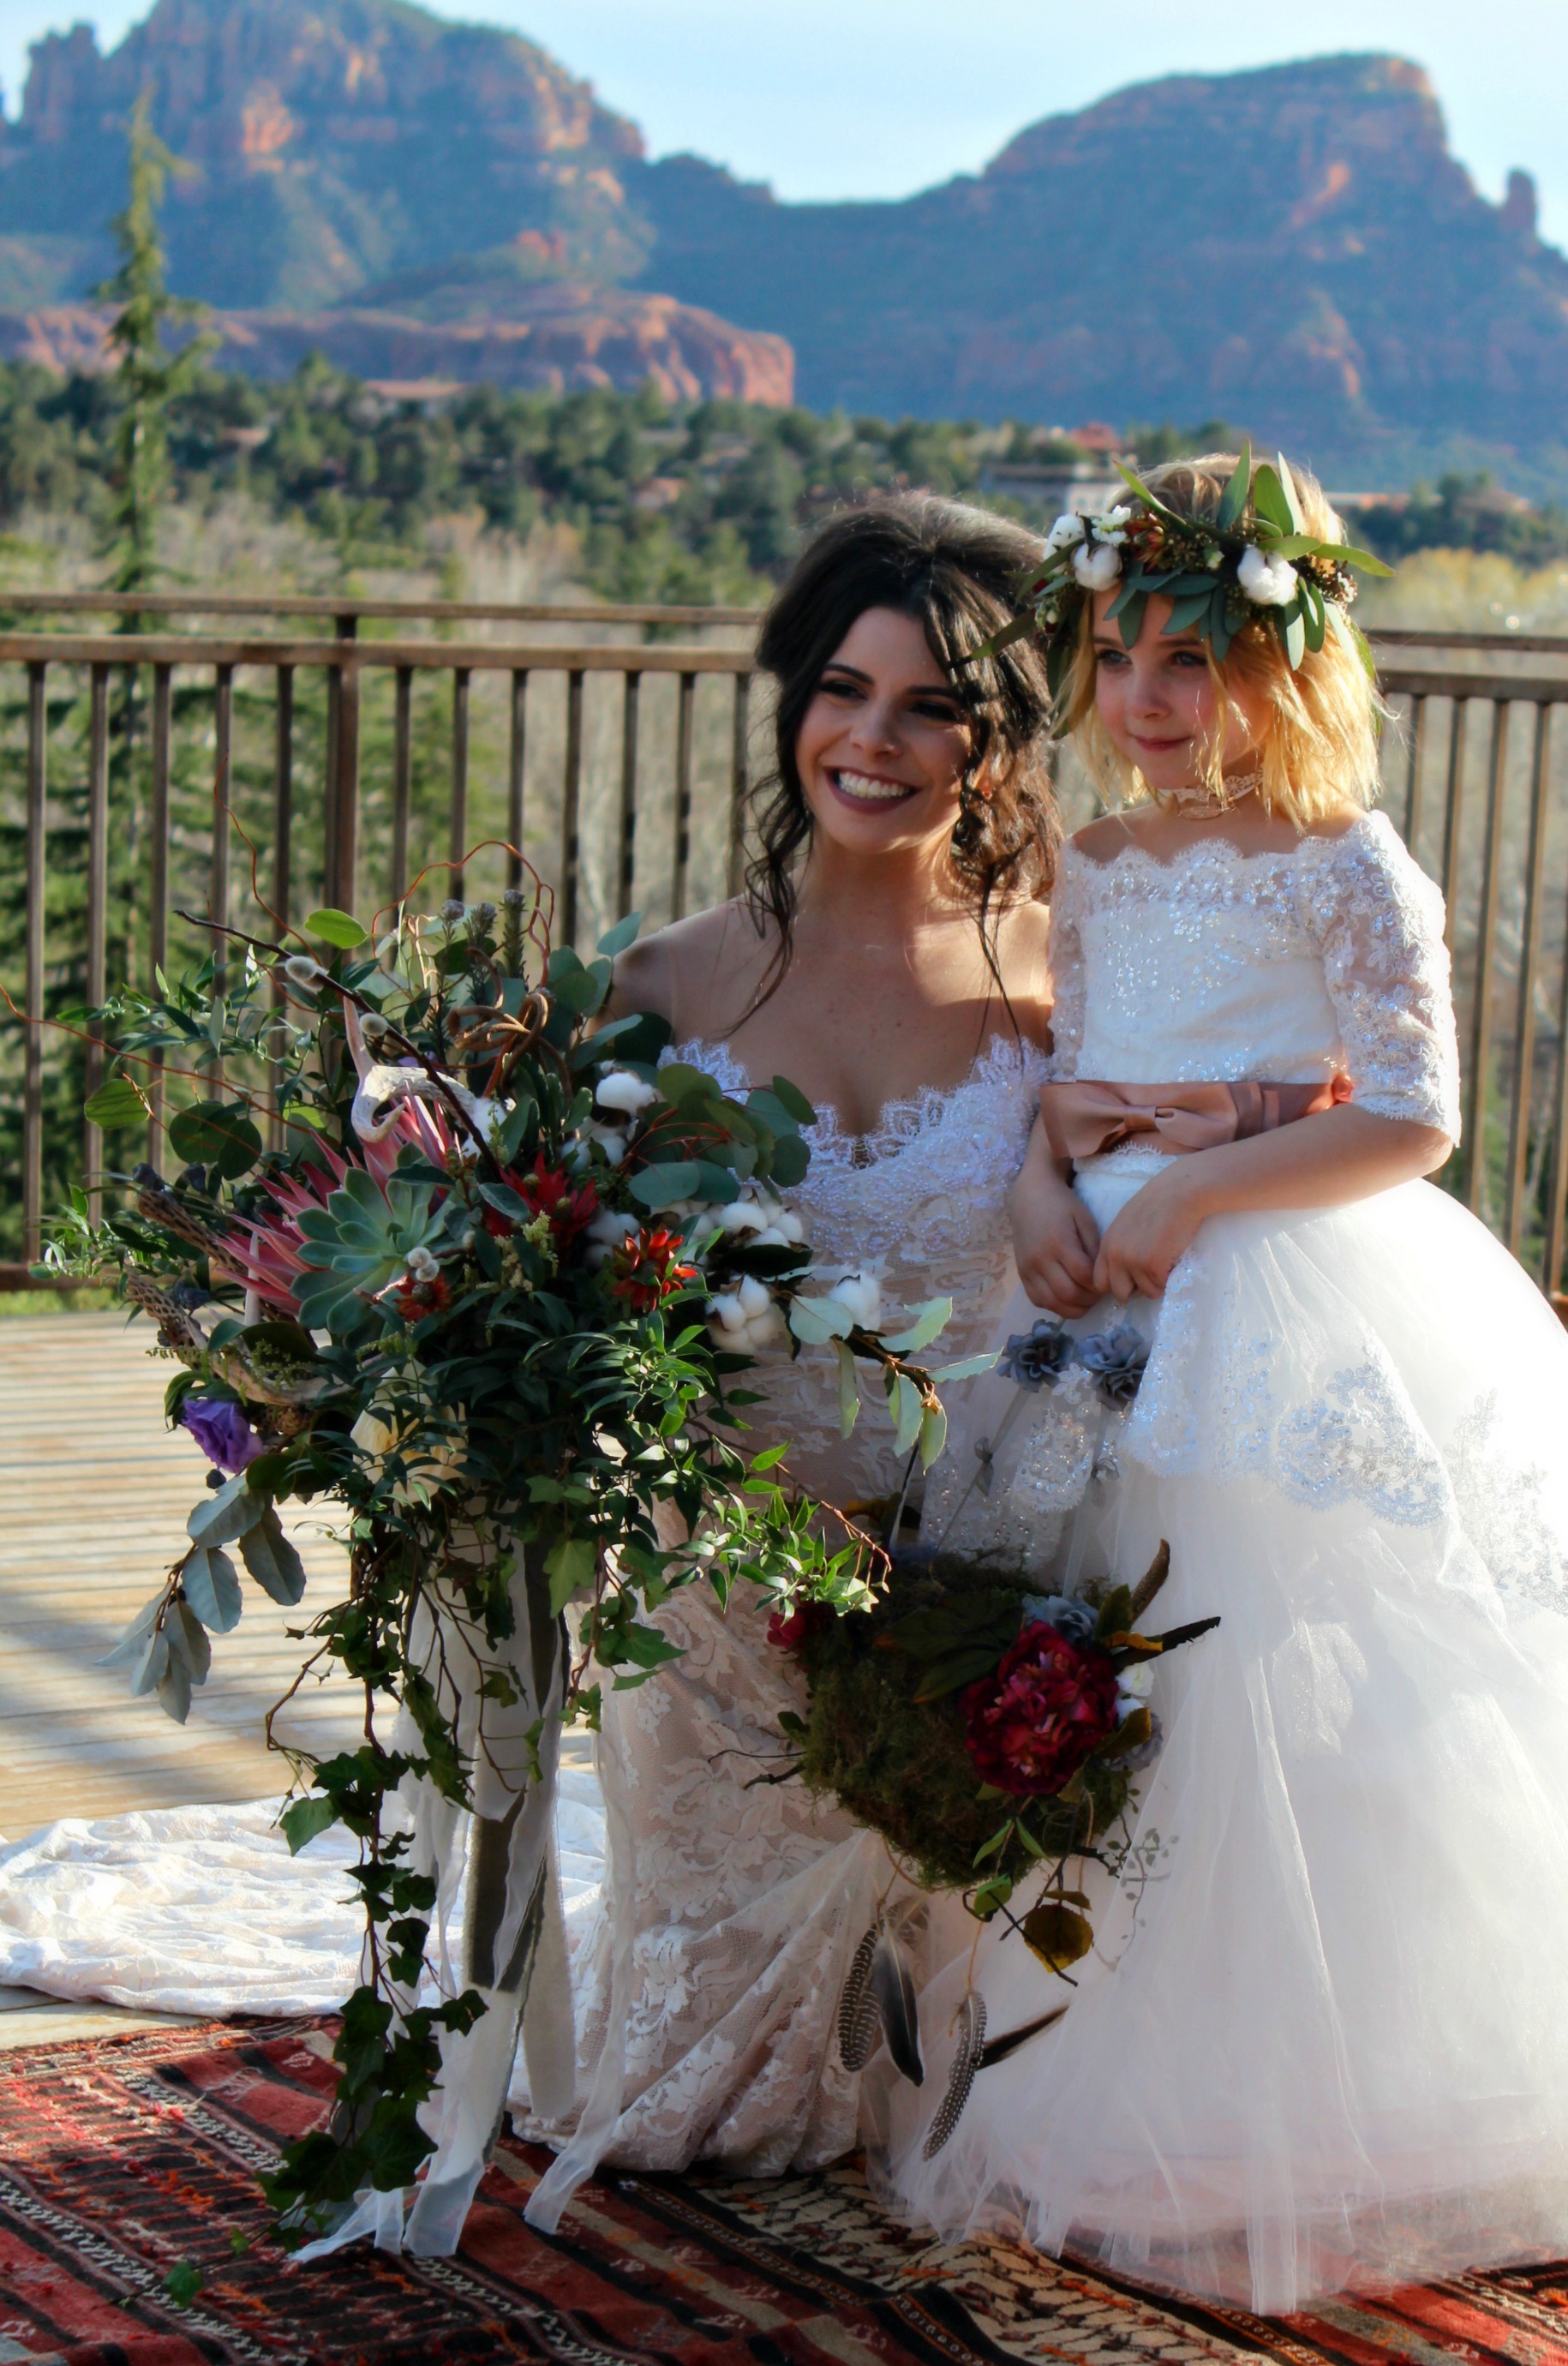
(216, 1133)
(174, 1688)
(624, 932)
(792, 1157)
(219, 1519)
(152, 1664)
(272, 1560)
(934, 1435)
(133, 1644)
(663, 1186)
(795, 1100)
(212, 1588)
(1269, 500)
(188, 1637)
(967, 1369)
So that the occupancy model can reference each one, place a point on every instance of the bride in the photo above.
(905, 836)
(889, 958)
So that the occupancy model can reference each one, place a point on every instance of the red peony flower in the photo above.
(646, 1269)
(793, 1629)
(1031, 1725)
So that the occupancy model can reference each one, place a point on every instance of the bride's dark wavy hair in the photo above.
(956, 569)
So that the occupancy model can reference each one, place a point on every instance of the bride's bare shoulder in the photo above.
(693, 971)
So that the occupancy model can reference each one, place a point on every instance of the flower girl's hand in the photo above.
(1054, 1236)
(1143, 1242)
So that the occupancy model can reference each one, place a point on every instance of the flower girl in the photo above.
(1320, 2041)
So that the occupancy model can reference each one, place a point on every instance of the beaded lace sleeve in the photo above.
(1378, 921)
(1068, 983)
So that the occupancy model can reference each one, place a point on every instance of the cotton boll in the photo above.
(789, 1226)
(727, 1310)
(1267, 582)
(1068, 529)
(612, 1143)
(739, 1216)
(764, 1330)
(862, 1294)
(754, 1296)
(621, 1090)
(1097, 566)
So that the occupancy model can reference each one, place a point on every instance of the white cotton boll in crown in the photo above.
(621, 1090)
(1267, 582)
(1067, 530)
(1097, 566)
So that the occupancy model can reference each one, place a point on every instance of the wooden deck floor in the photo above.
(94, 1493)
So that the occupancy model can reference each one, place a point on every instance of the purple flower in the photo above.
(220, 1429)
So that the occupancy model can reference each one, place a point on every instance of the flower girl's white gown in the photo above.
(1322, 2037)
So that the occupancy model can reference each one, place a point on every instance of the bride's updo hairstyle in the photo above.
(956, 569)
(1320, 751)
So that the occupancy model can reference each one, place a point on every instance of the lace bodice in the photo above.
(920, 1199)
(1220, 965)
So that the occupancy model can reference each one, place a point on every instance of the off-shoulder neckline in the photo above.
(1225, 850)
(900, 1121)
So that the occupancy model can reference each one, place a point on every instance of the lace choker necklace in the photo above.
(1194, 803)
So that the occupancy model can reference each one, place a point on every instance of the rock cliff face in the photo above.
(333, 142)
(1296, 247)
(562, 339)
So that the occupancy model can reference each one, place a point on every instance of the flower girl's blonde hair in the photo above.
(1320, 752)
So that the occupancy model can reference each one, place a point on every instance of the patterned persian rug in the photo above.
(133, 2233)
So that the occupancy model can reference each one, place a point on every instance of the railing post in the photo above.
(97, 915)
(1412, 784)
(1530, 957)
(1458, 711)
(222, 799)
(402, 779)
(684, 735)
(282, 852)
(571, 793)
(458, 835)
(739, 780)
(1486, 963)
(345, 804)
(32, 1074)
(625, 874)
(517, 757)
(158, 897)
(345, 627)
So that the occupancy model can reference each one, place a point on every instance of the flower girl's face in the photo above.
(1162, 706)
(882, 749)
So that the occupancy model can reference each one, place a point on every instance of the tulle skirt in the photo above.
(1321, 2040)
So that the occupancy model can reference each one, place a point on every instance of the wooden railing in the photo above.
(147, 772)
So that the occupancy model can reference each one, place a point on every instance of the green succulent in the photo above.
(357, 1243)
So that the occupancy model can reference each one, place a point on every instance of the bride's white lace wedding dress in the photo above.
(706, 1971)
(1321, 2037)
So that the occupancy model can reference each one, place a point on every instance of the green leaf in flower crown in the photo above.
(616, 941)
(1293, 499)
(212, 1588)
(1342, 554)
(1315, 620)
(1292, 631)
(1131, 622)
(335, 927)
(1150, 501)
(1190, 610)
(216, 1133)
(662, 1185)
(1233, 501)
(925, 1322)
(1218, 626)
(1269, 500)
(119, 1103)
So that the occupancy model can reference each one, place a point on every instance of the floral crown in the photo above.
(1253, 560)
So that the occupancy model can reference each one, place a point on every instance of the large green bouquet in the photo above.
(487, 1296)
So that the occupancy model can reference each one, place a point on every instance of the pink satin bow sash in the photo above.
(1082, 1119)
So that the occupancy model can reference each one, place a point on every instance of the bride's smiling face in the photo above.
(1161, 705)
(882, 749)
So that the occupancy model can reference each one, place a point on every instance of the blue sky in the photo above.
(878, 97)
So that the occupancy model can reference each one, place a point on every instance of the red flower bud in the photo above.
(1031, 1725)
